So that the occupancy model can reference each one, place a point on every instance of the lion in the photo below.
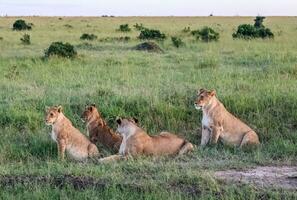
(218, 123)
(99, 131)
(68, 138)
(137, 142)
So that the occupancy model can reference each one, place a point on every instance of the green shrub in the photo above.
(1, 38)
(186, 29)
(151, 34)
(206, 34)
(60, 49)
(177, 42)
(124, 28)
(139, 27)
(87, 36)
(20, 25)
(259, 21)
(26, 39)
(248, 31)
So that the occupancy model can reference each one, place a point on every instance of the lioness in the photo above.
(99, 131)
(137, 142)
(68, 137)
(217, 123)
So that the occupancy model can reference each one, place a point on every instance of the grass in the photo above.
(256, 80)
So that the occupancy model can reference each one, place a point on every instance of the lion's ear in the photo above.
(60, 109)
(212, 93)
(47, 108)
(135, 120)
(91, 108)
(119, 120)
(200, 91)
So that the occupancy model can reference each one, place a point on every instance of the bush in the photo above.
(26, 39)
(206, 34)
(151, 34)
(177, 42)
(248, 31)
(149, 46)
(60, 49)
(186, 29)
(87, 36)
(124, 28)
(20, 25)
(138, 26)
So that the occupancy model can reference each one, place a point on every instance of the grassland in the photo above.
(255, 79)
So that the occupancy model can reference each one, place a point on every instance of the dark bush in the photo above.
(177, 42)
(60, 49)
(149, 46)
(68, 26)
(139, 27)
(259, 21)
(248, 31)
(206, 34)
(87, 36)
(151, 34)
(186, 29)
(20, 25)
(124, 28)
(26, 39)
(1, 38)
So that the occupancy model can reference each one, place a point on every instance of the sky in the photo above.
(148, 7)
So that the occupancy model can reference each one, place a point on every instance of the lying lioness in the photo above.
(68, 138)
(99, 131)
(137, 142)
(217, 123)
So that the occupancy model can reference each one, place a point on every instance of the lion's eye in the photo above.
(51, 114)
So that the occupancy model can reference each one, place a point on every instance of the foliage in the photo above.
(139, 27)
(20, 25)
(124, 28)
(147, 34)
(186, 29)
(61, 49)
(87, 36)
(26, 39)
(206, 34)
(177, 42)
(247, 31)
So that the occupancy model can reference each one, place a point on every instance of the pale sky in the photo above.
(148, 7)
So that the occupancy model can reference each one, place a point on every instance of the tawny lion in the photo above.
(68, 138)
(137, 142)
(218, 123)
(99, 131)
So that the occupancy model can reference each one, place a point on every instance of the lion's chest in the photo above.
(54, 135)
(206, 121)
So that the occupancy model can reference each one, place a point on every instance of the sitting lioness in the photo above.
(218, 123)
(137, 142)
(99, 131)
(68, 138)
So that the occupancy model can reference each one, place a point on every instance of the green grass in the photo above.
(256, 80)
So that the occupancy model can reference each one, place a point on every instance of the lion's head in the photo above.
(90, 113)
(52, 114)
(204, 98)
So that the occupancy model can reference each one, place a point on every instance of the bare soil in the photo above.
(284, 177)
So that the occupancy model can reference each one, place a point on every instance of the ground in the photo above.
(255, 79)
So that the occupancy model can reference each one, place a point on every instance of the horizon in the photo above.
(152, 8)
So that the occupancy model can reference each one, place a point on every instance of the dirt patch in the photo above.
(275, 177)
(148, 46)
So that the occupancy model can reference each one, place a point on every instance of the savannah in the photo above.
(255, 79)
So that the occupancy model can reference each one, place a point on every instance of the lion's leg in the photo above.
(92, 150)
(215, 134)
(187, 147)
(112, 158)
(61, 149)
(249, 139)
(205, 136)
